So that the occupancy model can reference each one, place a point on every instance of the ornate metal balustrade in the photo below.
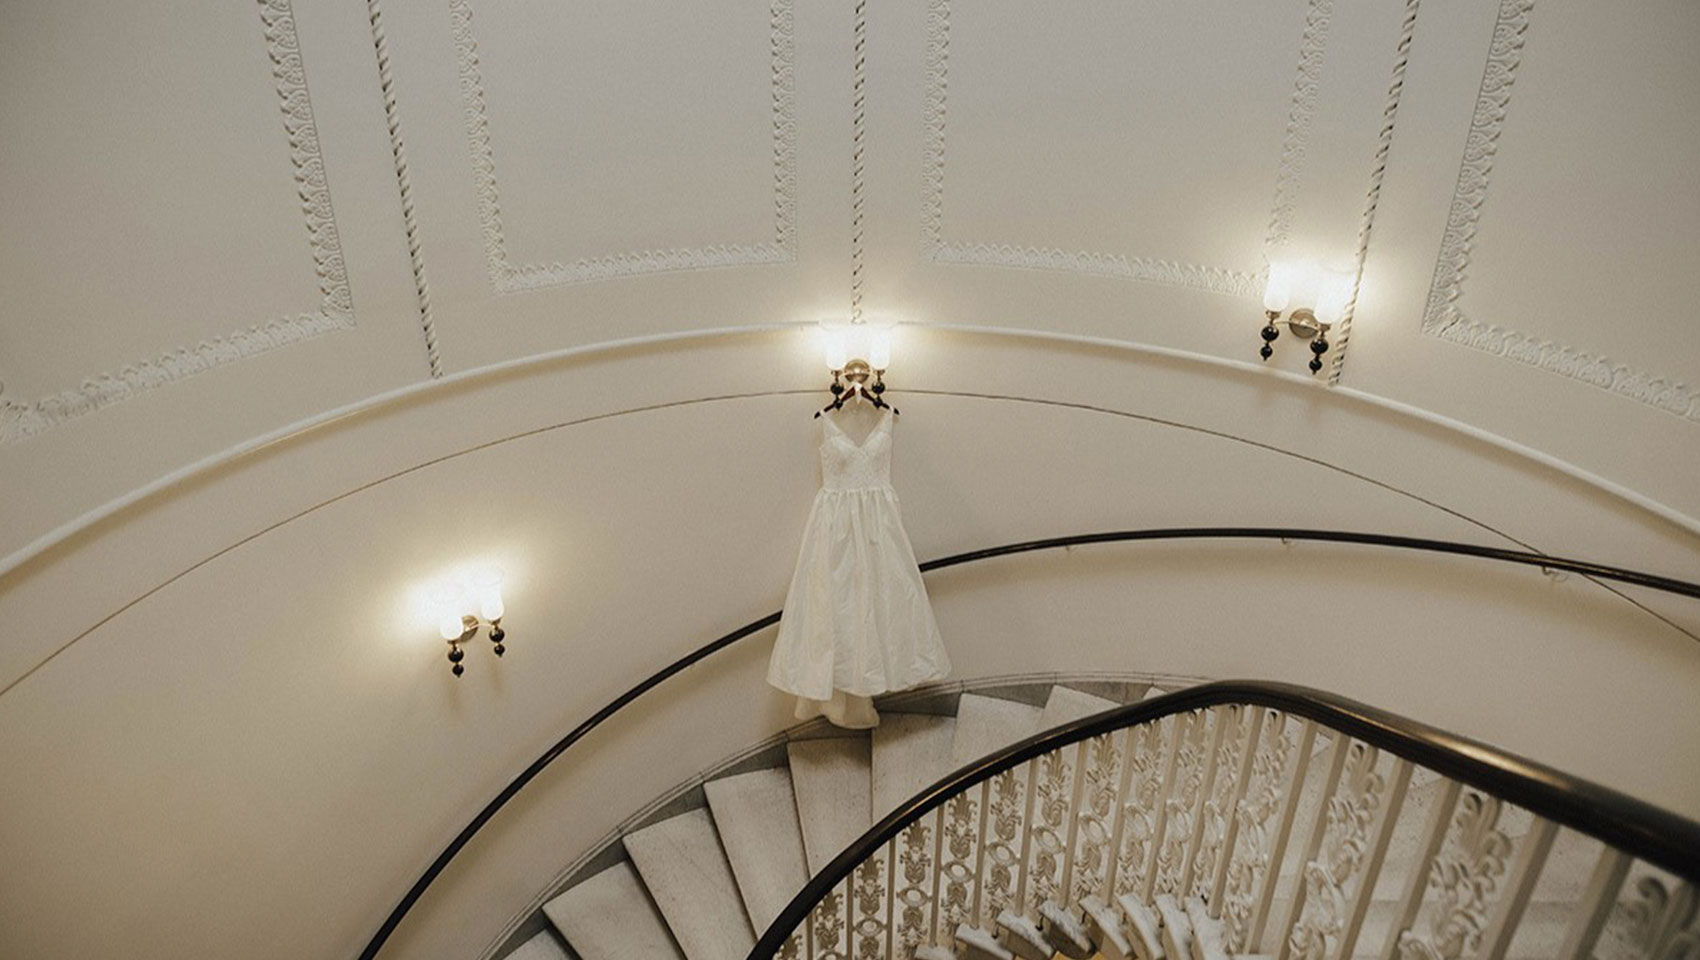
(1245, 818)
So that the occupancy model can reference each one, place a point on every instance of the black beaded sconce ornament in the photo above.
(857, 379)
(1301, 323)
(1310, 300)
(469, 629)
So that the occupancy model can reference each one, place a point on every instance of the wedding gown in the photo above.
(857, 621)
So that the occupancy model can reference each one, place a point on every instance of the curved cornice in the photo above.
(415, 391)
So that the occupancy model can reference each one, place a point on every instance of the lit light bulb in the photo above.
(879, 348)
(835, 347)
(446, 610)
(1278, 290)
(1334, 290)
(489, 586)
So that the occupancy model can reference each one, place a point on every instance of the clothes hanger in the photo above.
(857, 388)
(851, 382)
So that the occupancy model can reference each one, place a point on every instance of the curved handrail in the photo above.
(1653, 834)
(1525, 558)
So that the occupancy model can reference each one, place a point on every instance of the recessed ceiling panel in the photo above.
(1575, 227)
(1131, 132)
(161, 185)
(622, 137)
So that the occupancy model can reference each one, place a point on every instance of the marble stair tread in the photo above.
(987, 724)
(756, 814)
(833, 780)
(540, 947)
(610, 917)
(1066, 705)
(911, 751)
(683, 865)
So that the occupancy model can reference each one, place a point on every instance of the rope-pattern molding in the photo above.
(858, 137)
(404, 183)
(1384, 144)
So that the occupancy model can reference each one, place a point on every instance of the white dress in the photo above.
(857, 621)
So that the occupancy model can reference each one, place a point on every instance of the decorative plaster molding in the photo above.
(508, 277)
(858, 127)
(1297, 137)
(336, 311)
(1444, 318)
(1222, 280)
(404, 182)
(1213, 279)
(1384, 144)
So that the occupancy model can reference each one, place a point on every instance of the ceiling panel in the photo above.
(1132, 144)
(1576, 220)
(616, 139)
(164, 188)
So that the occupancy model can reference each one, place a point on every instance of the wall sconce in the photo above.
(857, 355)
(1317, 297)
(462, 605)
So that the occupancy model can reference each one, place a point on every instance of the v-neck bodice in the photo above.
(848, 465)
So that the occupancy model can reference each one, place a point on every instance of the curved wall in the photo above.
(225, 729)
(255, 726)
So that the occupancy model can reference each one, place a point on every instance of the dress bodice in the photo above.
(848, 465)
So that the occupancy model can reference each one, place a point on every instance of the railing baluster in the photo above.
(979, 914)
(1025, 824)
(1313, 843)
(1113, 857)
(1231, 816)
(1596, 905)
(1071, 819)
(887, 903)
(1047, 851)
(1370, 872)
(1094, 829)
(1177, 731)
(1278, 852)
(1416, 885)
(934, 903)
(1508, 913)
(1225, 718)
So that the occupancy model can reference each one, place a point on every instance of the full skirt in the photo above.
(856, 618)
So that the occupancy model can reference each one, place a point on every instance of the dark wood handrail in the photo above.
(1524, 558)
(1653, 834)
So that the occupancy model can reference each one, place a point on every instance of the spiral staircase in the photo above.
(701, 883)
(1442, 870)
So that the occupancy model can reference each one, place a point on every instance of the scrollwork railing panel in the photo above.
(1003, 867)
(1147, 746)
(1351, 810)
(1101, 790)
(915, 888)
(1254, 847)
(1054, 786)
(1171, 834)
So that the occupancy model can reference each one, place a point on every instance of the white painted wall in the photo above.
(270, 732)
(225, 731)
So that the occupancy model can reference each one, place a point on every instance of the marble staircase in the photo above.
(704, 883)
